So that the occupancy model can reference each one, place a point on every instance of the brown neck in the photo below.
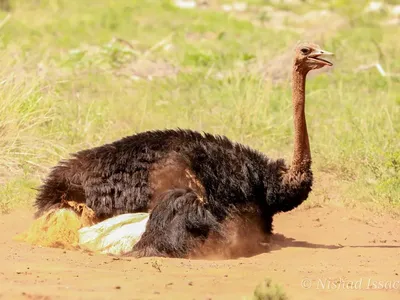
(301, 155)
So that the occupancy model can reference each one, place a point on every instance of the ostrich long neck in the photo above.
(301, 155)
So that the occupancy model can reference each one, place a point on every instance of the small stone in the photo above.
(185, 4)
(374, 6)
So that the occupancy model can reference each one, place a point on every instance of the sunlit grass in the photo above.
(66, 84)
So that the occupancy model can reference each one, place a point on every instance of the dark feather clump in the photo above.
(116, 178)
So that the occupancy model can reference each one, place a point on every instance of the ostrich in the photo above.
(193, 184)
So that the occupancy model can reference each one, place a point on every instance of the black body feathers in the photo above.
(222, 179)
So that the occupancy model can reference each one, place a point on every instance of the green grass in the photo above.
(67, 82)
(268, 291)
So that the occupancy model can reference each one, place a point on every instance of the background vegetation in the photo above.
(77, 74)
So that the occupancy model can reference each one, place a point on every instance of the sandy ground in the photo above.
(318, 253)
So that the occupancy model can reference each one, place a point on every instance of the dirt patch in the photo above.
(335, 253)
(315, 26)
(311, 30)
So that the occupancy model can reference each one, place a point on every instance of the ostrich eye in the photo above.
(305, 50)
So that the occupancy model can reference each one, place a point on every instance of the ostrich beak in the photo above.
(323, 52)
(315, 55)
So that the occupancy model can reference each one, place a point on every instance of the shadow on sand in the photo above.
(279, 241)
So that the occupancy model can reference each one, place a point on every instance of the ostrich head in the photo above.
(308, 57)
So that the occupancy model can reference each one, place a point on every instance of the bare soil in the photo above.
(317, 253)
